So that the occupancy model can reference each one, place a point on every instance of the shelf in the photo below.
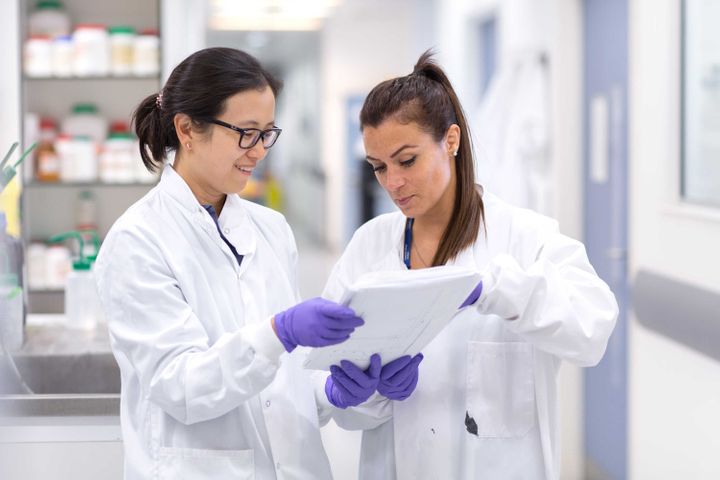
(50, 291)
(103, 78)
(35, 184)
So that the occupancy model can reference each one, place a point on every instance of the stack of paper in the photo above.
(403, 311)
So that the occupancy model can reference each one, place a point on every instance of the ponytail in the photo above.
(154, 135)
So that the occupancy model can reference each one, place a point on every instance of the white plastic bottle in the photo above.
(37, 56)
(49, 18)
(62, 56)
(91, 47)
(82, 302)
(80, 296)
(146, 54)
(122, 41)
(118, 158)
(85, 121)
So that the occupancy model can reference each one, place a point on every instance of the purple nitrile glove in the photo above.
(315, 323)
(399, 378)
(348, 386)
(474, 295)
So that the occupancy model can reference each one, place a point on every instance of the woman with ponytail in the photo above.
(483, 401)
(199, 289)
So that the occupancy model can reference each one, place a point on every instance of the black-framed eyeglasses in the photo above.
(250, 136)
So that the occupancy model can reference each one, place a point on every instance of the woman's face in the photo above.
(415, 170)
(221, 166)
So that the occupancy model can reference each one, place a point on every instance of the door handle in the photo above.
(616, 253)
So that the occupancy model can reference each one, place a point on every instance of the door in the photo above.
(605, 225)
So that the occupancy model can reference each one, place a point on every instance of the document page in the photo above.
(403, 311)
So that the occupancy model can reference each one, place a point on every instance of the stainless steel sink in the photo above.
(58, 360)
(89, 373)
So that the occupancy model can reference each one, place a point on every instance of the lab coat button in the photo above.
(226, 231)
(267, 404)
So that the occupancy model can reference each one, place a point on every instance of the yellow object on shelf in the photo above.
(9, 203)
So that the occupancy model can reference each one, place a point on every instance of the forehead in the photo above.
(251, 106)
(391, 134)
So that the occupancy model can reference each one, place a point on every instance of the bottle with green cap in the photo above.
(49, 18)
(82, 303)
(86, 121)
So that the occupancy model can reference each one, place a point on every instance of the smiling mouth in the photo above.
(247, 170)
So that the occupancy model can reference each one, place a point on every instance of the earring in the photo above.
(188, 146)
(455, 153)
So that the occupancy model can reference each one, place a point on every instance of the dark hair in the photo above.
(427, 98)
(197, 87)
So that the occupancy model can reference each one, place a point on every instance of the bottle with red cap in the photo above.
(117, 158)
(146, 58)
(91, 50)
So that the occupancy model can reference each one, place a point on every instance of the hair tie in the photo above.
(158, 100)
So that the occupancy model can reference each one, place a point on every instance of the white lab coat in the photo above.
(207, 390)
(496, 362)
(513, 131)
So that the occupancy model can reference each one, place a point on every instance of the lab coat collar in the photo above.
(234, 218)
(174, 185)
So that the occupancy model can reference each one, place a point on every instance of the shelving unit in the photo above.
(49, 208)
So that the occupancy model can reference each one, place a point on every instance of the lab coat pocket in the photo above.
(500, 389)
(193, 463)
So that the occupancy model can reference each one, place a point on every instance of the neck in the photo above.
(433, 223)
(203, 192)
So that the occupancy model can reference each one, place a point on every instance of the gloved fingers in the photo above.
(375, 366)
(333, 327)
(350, 322)
(405, 383)
(394, 367)
(360, 377)
(334, 394)
(346, 384)
(401, 393)
(330, 341)
(326, 334)
(335, 310)
(401, 374)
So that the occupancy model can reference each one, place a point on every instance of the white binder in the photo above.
(403, 311)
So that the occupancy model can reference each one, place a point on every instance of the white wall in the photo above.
(674, 391)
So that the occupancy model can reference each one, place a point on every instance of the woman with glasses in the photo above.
(483, 402)
(199, 289)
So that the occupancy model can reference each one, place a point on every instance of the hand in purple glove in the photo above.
(315, 323)
(348, 386)
(399, 378)
(474, 295)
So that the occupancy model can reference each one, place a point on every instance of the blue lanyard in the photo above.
(408, 241)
